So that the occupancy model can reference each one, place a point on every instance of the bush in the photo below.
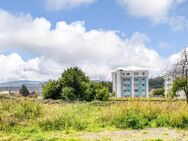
(89, 91)
(68, 94)
(160, 121)
(18, 112)
(131, 119)
(102, 94)
(28, 110)
(51, 90)
(158, 92)
(63, 122)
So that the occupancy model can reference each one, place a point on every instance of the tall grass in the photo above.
(24, 115)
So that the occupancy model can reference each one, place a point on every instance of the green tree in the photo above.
(24, 91)
(180, 84)
(102, 94)
(51, 90)
(90, 91)
(67, 93)
(179, 71)
(107, 85)
(74, 78)
(158, 92)
(75, 85)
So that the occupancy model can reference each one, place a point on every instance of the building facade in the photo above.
(130, 83)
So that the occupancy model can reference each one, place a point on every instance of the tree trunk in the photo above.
(186, 94)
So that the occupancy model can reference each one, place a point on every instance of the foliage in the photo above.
(90, 91)
(24, 91)
(74, 85)
(171, 94)
(108, 85)
(102, 94)
(158, 92)
(51, 90)
(180, 84)
(73, 79)
(67, 93)
(180, 72)
(155, 83)
(131, 119)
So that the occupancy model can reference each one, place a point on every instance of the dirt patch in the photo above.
(138, 135)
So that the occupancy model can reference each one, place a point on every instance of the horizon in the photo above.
(39, 39)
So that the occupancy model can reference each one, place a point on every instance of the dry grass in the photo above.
(25, 117)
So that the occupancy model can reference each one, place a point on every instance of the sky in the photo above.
(39, 39)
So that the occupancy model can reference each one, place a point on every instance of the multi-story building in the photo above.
(130, 83)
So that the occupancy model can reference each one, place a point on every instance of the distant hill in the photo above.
(20, 83)
(16, 85)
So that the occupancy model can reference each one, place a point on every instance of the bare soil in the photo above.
(158, 134)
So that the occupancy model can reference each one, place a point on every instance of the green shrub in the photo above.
(131, 119)
(68, 94)
(28, 110)
(158, 92)
(102, 94)
(160, 121)
(51, 90)
(13, 113)
(63, 122)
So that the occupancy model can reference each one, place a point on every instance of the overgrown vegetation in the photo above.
(27, 117)
(74, 85)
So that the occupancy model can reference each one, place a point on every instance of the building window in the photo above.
(128, 74)
(136, 90)
(136, 73)
(143, 73)
(143, 84)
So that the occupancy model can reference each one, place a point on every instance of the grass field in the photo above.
(31, 119)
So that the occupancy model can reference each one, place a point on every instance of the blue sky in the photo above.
(166, 34)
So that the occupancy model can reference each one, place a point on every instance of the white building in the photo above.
(168, 86)
(130, 83)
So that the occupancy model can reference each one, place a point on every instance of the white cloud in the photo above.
(66, 4)
(13, 67)
(157, 11)
(178, 23)
(98, 52)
